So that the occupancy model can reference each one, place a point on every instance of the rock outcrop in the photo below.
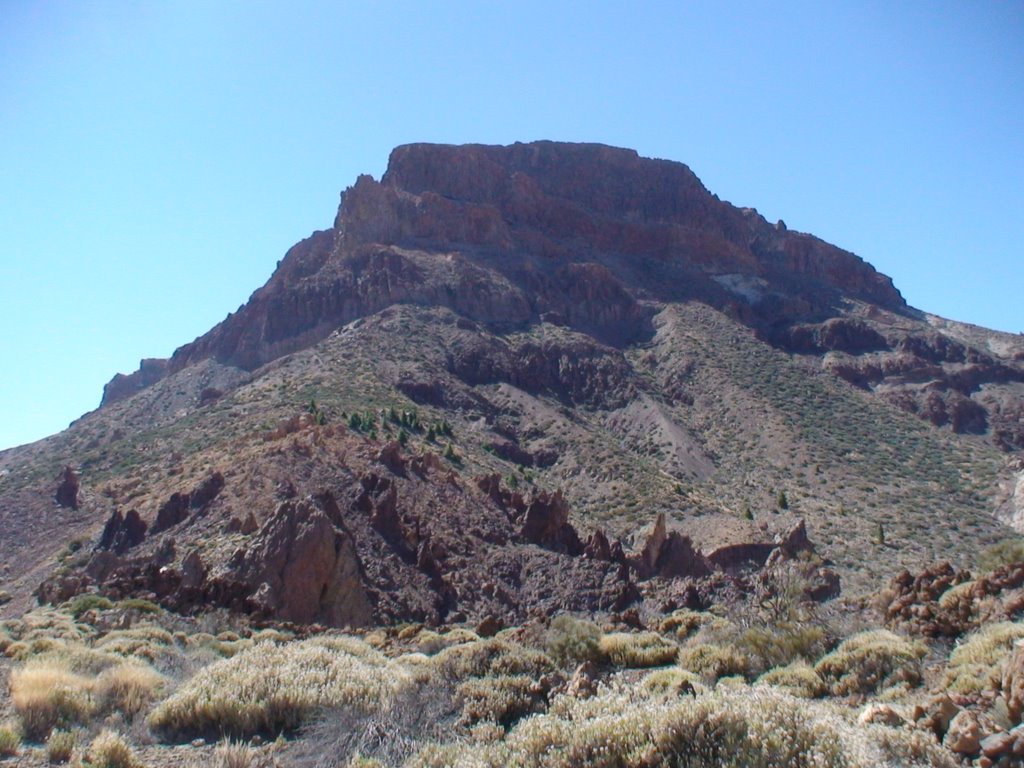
(68, 489)
(305, 568)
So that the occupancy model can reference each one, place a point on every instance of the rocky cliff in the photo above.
(595, 238)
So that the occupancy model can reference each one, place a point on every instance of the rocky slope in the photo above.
(489, 329)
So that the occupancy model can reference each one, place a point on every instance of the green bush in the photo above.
(1003, 553)
(773, 646)
(976, 666)
(713, 661)
(503, 699)
(571, 641)
(798, 679)
(76, 606)
(637, 649)
(872, 661)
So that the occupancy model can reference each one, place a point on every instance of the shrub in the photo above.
(671, 682)
(110, 750)
(683, 622)
(9, 741)
(492, 656)
(571, 641)
(128, 688)
(233, 754)
(429, 642)
(60, 746)
(870, 662)
(743, 728)
(139, 605)
(78, 605)
(269, 689)
(977, 665)
(714, 661)
(503, 699)
(637, 649)
(798, 679)
(772, 646)
(46, 695)
(1003, 553)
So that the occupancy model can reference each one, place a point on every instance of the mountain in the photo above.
(529, 378)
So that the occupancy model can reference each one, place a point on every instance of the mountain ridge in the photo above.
(579, 323)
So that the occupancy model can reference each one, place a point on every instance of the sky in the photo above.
(158, 159)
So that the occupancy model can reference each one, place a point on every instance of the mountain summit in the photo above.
(530, 378)
(587, 234)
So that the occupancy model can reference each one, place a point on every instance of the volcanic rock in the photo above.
(305, 567)
(122, 532)
(67, 494)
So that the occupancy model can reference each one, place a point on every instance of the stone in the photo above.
(489, 626)
(304, 568)
(882, 714)
(172, 512)
(997, 745)
(669, 554)
(937, 714)
(584, 681)
(1013, 683)
(68, 489)
(966, 732)
(546, 523)
(122, 532)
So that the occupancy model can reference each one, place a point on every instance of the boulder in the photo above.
(882, 714)
(1013, 683)
(966, 732)
(303, 567)
(122, 532)
(546, 523)
(68, 489)
(669, 554)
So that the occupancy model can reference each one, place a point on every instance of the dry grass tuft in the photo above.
(128, 688)
(269, 689)
(60, 746)
(234, 754)
(10, 741)
(110, 750)
(45, 696)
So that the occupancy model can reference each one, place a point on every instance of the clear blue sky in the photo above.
(157, 159)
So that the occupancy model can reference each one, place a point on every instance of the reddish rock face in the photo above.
(504, 235)
(595, 238)
(306, 568)
(67, 494)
